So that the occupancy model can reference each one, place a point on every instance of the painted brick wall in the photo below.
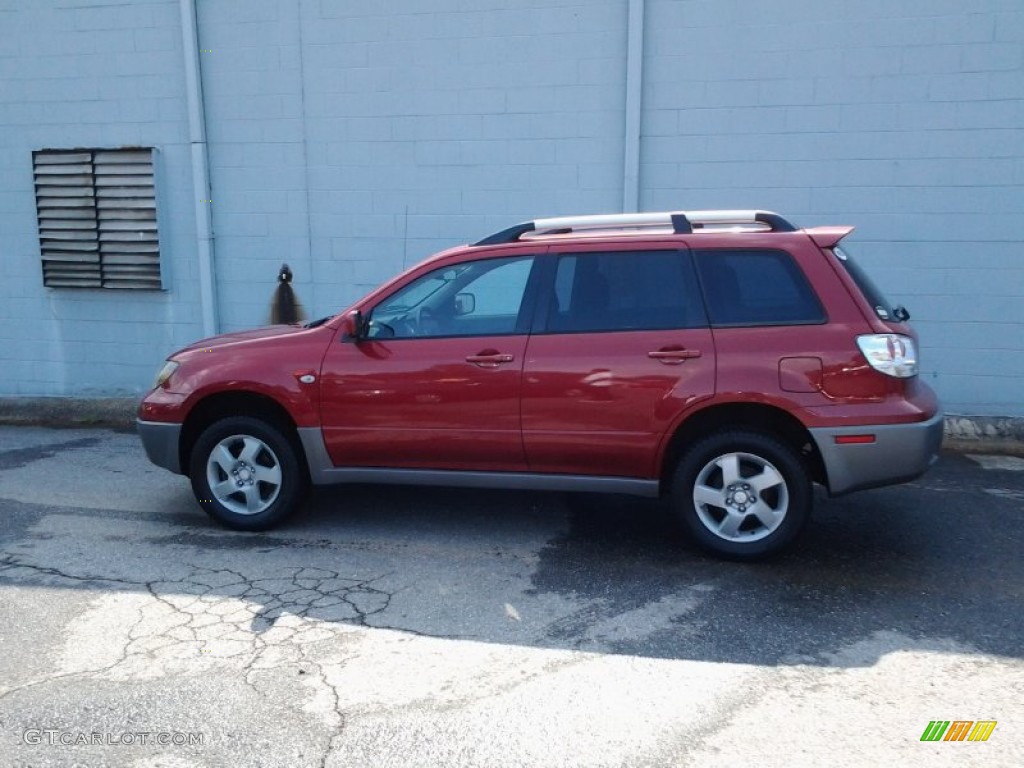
(351, 139)
(252, 83)
(423, 124)
(902, 117)
(83, 73)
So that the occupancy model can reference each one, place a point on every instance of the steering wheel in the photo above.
(417, 322)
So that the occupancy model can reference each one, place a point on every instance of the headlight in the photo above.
(165, 373)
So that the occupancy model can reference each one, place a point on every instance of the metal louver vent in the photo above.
(97, 218)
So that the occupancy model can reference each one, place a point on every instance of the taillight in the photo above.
(890, 353)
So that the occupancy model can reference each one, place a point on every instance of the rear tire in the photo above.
(246, 474)
(743, 495)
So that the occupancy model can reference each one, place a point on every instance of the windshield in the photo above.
(882, 306)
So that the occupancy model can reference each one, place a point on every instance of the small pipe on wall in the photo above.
(200, 168)
(634, 106)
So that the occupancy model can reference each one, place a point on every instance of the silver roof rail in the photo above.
(680, 222)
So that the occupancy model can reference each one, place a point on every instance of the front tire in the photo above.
(246, 474)
(743, 495)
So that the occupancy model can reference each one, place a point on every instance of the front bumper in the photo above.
(160, 440)
(899, 453)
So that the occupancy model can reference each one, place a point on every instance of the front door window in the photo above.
(478, 298)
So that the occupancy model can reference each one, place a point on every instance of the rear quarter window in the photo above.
(883, 308)
(756, 287)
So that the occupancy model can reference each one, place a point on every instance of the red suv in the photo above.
(725, 359)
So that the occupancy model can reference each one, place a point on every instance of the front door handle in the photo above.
(674, 356)
(489, 359)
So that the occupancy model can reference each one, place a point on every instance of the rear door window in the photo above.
(623, 291)
(756, 287)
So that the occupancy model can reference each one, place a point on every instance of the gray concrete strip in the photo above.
(70, 412)
(984, 434)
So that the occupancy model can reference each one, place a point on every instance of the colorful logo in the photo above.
(958, 730)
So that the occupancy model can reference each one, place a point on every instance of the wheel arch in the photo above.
(222, 405)
(759, 417)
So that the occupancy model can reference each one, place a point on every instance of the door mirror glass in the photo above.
(465, 304)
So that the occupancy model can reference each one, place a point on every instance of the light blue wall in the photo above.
(77, 73)
(350, 139)
(902, 117)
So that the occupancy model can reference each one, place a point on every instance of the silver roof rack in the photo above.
(678, 222)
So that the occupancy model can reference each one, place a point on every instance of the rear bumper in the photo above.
(899, 453)
(161, 443)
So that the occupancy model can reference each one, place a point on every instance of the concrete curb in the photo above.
(984, 434)
(965, 434)
(111, 412)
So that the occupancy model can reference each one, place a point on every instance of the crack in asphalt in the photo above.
(264, 624)
(9, 564)
(220, 613)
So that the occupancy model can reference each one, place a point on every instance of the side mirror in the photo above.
(465, 304)
(353, 327)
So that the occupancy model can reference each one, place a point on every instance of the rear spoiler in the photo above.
(828, 237)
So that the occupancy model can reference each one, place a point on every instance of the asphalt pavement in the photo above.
(432, 627)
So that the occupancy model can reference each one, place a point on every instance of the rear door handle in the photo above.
(674, 356)
(489, 359)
